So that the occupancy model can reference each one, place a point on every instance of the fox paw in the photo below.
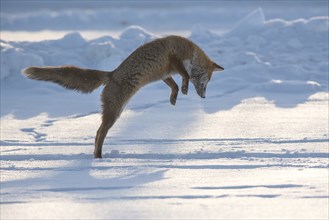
(184, 90)
(97, 156)
(172, 100)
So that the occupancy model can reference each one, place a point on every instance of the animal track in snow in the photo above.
(37, 135)
(48, 123)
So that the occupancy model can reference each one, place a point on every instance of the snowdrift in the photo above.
(267, 58)
(273, 55)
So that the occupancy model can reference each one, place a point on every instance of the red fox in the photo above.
(156, 60)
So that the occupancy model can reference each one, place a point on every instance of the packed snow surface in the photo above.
(256, 147)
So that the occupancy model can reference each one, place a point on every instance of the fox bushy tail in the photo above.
(71, 77)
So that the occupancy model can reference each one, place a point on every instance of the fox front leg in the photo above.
(174, 89)
(178, 66)
(185, 86)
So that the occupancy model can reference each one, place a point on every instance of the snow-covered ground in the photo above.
(256, 148)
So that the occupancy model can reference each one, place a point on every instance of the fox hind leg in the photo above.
(174, 89)
(100, 136)
(112, 108)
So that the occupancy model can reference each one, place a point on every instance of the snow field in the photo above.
(256, 147)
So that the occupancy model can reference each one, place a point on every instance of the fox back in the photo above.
(152, 61)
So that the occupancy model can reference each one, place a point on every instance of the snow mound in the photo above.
(14, 59)
(256, 53)
(71, 40)
(132, 37)
(136, 33)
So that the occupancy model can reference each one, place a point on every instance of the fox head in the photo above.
(200, 74)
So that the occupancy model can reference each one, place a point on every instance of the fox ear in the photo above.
(217, 67)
